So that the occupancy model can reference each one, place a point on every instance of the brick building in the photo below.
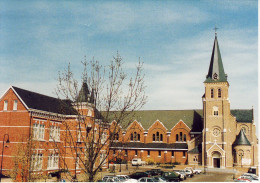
(214, 136)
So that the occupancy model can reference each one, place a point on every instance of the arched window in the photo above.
(219, 93)
(153, 137)
(184, 137)
(157, 136)
(138, 137)
(177, 137)
(132, 137)
(181, 136)
(212, 93)
(161, 137)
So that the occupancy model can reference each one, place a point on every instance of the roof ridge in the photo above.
(37, 93)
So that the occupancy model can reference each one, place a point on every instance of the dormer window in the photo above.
(212, 93)
(219, 93)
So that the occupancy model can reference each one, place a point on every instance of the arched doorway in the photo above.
(216, 158)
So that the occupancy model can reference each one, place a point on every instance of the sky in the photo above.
(174, 39)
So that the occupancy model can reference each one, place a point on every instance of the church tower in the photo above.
(219, 124)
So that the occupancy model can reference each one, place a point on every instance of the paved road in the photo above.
(211, 177)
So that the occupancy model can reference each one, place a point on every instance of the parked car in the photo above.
(126, 178)
(189, 168)
(110, 178)
(189, 173)
(137, 162)
(159, 179)
(138, 175)
(151, 172)
(255, 177)
(157, 171)
(182, 175)
(147, 179)
(197, 171)
(248, 178)
(171, 176)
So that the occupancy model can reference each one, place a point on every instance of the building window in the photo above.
(53, 161)
(148, 153)
(153, 137)
(38, 131)
(135, 136)
(183, 154)
(136, 152)
(161, 137)
(132, 137)
(116, 137)
(212, 93)
(114, 152)
(184, 138)
(36, 162)
(126, 153)
(159, 153)
(5, 105)
(219, 93)
(215, 111)
(181, 136)
(138, 137)
(172, 153)
(15, 105)
(177, 137)
(157, 137)
(243, 129)
(55, 133)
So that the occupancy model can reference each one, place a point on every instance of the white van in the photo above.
(137, 162)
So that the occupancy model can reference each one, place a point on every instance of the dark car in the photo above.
(138, 175)
(171, 176)
(157, 171)
(151, 172)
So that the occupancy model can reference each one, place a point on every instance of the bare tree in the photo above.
(107, 95)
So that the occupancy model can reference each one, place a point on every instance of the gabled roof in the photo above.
(241, 139)
(44, 103)
(243, 115)
(216, 71)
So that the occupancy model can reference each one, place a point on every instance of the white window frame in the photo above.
(54, 133)
(36, 162)
(5, 105)
(38, 131)
(15, 105)
(53, 161)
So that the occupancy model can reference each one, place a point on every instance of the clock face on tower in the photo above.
(215, 76)
(216, 132)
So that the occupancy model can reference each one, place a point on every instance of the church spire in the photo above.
(84, 93)
(216, 70)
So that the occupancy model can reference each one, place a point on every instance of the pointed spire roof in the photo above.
(216, 70)
(241, 139)
(83, 93)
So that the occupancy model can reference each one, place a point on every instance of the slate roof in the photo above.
(196, 150)
(169, 118)
(216, 66)
(192, 118)
(45, 103)
(241, 139)
(139, 145)
(245, 115)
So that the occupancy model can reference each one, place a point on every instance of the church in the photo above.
(213, 137)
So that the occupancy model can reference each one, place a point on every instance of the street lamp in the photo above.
(7, 141)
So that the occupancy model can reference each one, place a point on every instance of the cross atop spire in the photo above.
(215, 28)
